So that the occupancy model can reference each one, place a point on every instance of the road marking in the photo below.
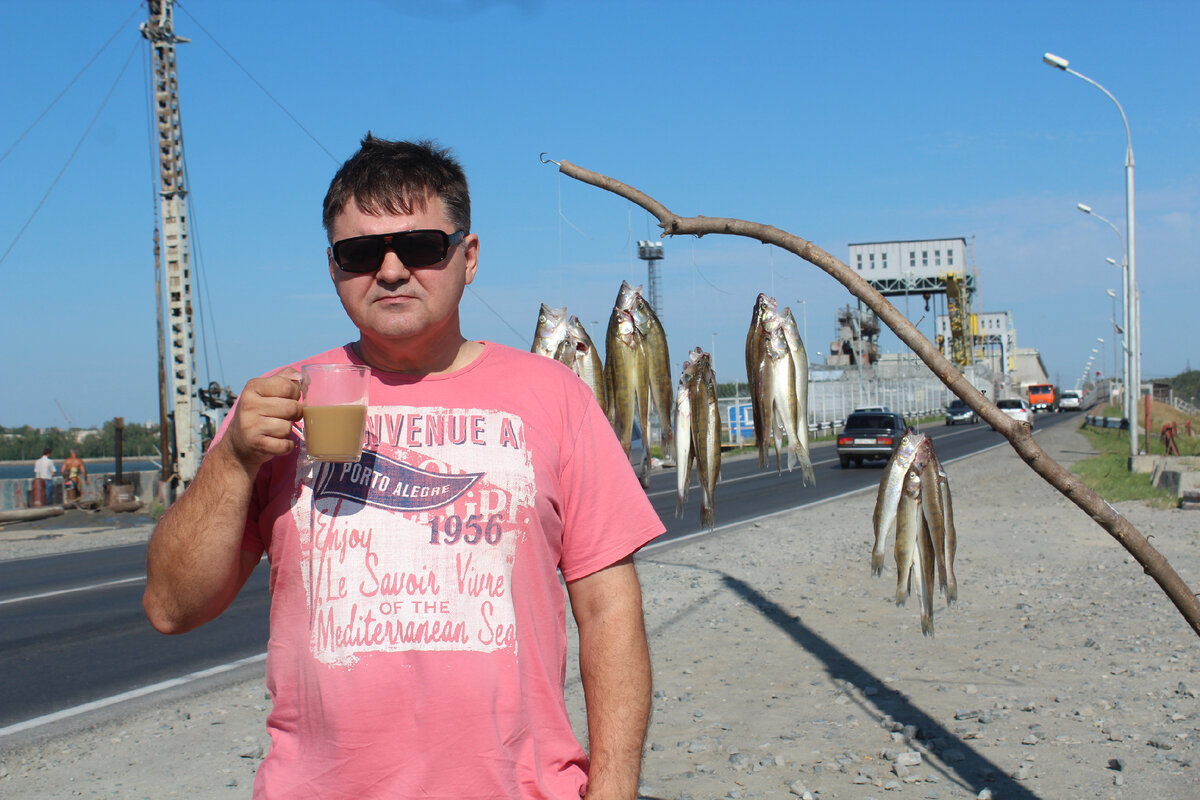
(765, 470)
(88, 588)
(730, 525)
(132, 694)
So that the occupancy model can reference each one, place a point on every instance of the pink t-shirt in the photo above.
(418, 645)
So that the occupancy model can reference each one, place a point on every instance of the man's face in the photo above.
(398, 309)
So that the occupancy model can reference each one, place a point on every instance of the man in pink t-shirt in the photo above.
(417, 620)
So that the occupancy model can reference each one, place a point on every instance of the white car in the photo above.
(1017, 409)
(1071, 400)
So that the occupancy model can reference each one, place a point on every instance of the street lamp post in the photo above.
(1112, 295)
(1133, 328)
(1129, 409)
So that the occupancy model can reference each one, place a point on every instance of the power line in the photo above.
(70, 83)
(271, 97)
(71, 157)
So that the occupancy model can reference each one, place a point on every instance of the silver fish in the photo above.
(932, 506)
(658, 357)
(551, 331)
(888, 499)
(625, 375)
(950, 539)
(777, 391)
(909, 519)
(585, 360)
(683, 438)
(755, 343)
(800, 361)
(706, 437)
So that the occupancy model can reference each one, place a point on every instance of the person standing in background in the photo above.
(74, 474)
(43, 479)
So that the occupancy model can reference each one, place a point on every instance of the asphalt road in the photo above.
(72, 629)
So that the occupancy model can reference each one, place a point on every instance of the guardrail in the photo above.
(1106, 422)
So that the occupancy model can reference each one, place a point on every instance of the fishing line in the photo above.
(700, 272)
(70, 83)
(74, 152)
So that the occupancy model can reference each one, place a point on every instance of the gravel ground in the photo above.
(782, 668)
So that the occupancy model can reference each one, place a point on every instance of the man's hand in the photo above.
(261, 427)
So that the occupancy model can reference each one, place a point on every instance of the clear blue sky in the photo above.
(839, 122)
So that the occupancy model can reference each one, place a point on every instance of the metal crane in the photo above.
(175, 257)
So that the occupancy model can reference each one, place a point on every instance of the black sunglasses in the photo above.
(414, 249)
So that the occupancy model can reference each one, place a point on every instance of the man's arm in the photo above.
(614, 663)
(195, 565)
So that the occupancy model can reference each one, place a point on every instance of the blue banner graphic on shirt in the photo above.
(382, 482)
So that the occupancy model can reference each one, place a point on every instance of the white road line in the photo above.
(104, 702)
(870, 487)
(88, 588)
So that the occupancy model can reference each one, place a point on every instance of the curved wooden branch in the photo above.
(1018, 434)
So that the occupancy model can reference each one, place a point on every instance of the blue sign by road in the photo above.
(741, 421)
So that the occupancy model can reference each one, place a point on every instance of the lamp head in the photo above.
(1110, 292)
(1112, 261)
(1055, 61)
(1083, 208)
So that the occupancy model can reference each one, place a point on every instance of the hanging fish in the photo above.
(800, 362)
(914, 498)
(654, 341)
(888, 499)
(776, 391)
(706, 436)
(754, 347)
(626, 377)
(551, 332)
(585, 360)
(683, 439)
(658, 359)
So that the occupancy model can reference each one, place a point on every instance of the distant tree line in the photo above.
(1186, 385)
(27, 442)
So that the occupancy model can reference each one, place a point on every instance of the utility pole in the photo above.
(159, 29)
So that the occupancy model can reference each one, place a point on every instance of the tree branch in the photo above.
(1019, 434)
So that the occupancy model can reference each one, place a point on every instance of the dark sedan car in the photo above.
(958, 411)
(869, 435)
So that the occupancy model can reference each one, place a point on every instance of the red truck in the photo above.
(1043, 397)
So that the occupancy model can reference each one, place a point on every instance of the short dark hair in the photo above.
(46, 452)
(397, 178)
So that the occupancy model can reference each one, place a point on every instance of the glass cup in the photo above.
(335, 410)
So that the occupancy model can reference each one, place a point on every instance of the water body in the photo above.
(24, 469)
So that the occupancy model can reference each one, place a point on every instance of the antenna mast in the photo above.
(176, 263)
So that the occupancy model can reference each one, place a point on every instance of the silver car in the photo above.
(1016, 408)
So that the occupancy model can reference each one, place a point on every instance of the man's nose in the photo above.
(392, 270)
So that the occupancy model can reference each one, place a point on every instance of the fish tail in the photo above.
(902, 588)
(807, 476)
(707, 517)
(876, 563)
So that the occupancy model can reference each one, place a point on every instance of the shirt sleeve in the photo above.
(606, 514)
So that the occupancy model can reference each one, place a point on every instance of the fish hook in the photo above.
(545, 160)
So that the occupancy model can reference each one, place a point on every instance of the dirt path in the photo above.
(783, 668)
